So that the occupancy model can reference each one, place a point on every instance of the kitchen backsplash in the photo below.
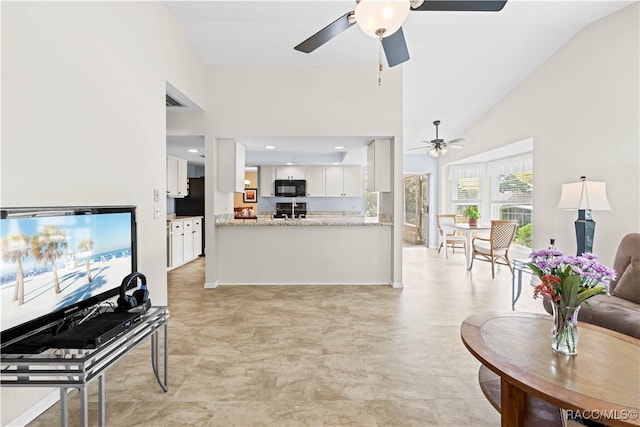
(316, 204)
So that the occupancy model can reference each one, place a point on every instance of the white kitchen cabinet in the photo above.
(176, 243)
(172, 173)
(184, 241)
(343, 181)
(231, 159)
(177, 177)
(333, 181)
(379, 165)
(315, 181)
(352, 181)
(183, 179)
(267, 178)
(187, 244)
(291, 172)
(197, 237)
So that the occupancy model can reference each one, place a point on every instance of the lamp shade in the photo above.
(387, 15)
(587, 195)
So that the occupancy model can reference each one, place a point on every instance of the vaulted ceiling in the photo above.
(461, 63)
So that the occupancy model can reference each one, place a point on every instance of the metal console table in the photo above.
(70, 368)
(519, 267)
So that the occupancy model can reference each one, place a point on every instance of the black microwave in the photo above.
(291, 187)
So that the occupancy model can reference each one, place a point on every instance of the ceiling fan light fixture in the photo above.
(433, 152)
(381, 18)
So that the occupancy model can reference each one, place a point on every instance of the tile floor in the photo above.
(314, 355)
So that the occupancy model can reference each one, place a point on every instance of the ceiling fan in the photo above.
(383, 19)
(439, 147)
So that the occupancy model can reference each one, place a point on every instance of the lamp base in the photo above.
(585, 230)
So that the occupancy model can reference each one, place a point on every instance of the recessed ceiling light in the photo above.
(270, 147)
(288, 163)
(192, 150)
(339, 147)
(335, 163)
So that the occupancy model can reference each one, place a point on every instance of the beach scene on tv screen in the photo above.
(49, 263)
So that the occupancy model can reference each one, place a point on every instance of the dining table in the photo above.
(468, 231)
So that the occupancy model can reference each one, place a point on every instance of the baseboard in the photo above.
(36, 410)
(298, 284)
(211, 285)
(396, 285)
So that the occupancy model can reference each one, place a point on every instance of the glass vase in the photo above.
(564, 329)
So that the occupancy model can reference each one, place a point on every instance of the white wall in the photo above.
(301, 101)
(581, 108)
(186, 123)
(85, 82)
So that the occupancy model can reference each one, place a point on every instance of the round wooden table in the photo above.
(602, 382)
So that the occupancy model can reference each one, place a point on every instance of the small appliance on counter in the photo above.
(287, 210)
(290, 187)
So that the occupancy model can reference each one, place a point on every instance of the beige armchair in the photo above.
(448, 238)
(495, 249)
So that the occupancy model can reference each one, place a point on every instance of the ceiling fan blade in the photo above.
(325, 34)
(455, 141)
(463, 5)
(395, 48)
(455, 146)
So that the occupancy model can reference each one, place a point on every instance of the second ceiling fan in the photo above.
(383, 19)
(439, 147)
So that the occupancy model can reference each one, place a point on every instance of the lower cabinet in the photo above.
(197, 237)
(184, 242)
(176, 243)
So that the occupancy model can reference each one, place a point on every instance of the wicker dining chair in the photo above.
(495, 249)
(448, 238)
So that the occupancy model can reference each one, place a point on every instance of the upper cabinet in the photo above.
(231, 159)
(267, 178)
(343, 181)
(291, 172)
(352, 181)
(322, 181)
(177, 181)
(379, 165)
(315, 181)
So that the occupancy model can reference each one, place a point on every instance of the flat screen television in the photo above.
(56, 262)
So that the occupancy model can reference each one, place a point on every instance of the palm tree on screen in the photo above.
(86, 245)
(15, 247)
(47, 246)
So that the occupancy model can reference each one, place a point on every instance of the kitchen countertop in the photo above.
(303, 222)
(180, 218)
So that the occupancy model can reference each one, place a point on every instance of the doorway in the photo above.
(415, 230)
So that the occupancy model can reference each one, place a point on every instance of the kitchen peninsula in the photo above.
(318, 251)
(310, 226)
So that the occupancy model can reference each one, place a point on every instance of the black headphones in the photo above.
(139, 297)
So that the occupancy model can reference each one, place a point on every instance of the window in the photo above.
(465, 186)
(372, 200)
(512, 193)
(372, 208)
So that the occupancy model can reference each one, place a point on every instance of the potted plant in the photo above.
(472, 214)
